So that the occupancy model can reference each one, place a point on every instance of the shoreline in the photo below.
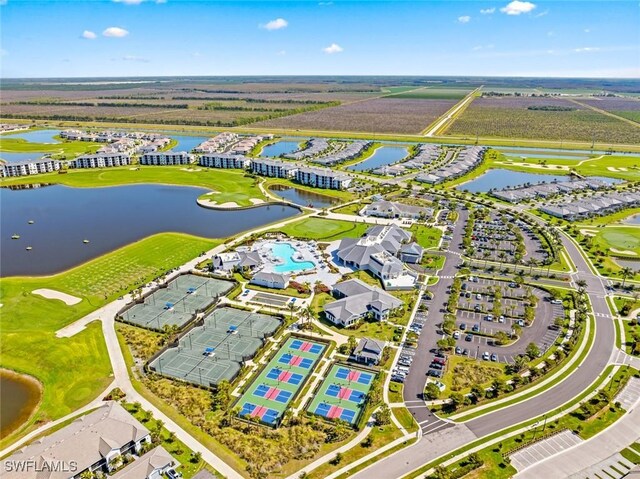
(30, 408)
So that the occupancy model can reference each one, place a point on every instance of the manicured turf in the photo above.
(269, 395)
(75, 370)
(229, 185)
(342, 394)
(426, 236)
(621, 238)
(64, 150)
(324, 229)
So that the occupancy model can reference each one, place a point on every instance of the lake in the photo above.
(303, 197)
(13, 157)
(280, 148)
(187, 143)
(109, 218)
(35, 136)
(19, 396)
(632, 220)
(383, 156)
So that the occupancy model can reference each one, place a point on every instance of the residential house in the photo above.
(273, 168)
(368, 351)
(224, 160)
(101, 160)
(29, 167)
(237, 260)
(392, 209)
(323, 178)
(271, 280)
(151, 465)
(163, 158)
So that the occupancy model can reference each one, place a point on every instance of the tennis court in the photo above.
(269, 299)
(215, 350)
(270, 393)
(342, 394)
(178, 302)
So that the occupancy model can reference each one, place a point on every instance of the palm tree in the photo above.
(292, 307)
(625, 272)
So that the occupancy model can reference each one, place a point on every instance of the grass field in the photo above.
(324, 229)
(229, 185)
(62, 151)
(75, 370)
(620, 238)
(426, 236)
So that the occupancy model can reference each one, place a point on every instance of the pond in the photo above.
(500, 178)
(303, 197)
(632, 220)
(13, 157)
(19, 396)
(108, 218)
(187, 143)
(280, 148)
(34, 136)
(383, 156)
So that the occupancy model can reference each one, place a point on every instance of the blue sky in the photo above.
(183, 37)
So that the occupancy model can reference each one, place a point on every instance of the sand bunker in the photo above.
(623, 251)
(191, 170)
(53, 294)
(588, 232)
(206, 202)
(256, 201)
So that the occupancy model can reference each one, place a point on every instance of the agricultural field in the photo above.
(540, 119)
(434, 93)
(379, 115)
(625, 107)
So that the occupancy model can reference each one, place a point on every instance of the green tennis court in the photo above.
(271, 392)
(176, 304)
(343, 393)
(216, 350)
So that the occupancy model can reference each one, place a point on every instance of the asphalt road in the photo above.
(427, 449)
(416, 379)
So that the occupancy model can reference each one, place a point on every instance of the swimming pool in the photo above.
(285, 252)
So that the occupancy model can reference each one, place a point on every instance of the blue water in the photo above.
(499, 179)
(285, 252)
(632, 220)
(280, 148)
(13, 157)
(385, 155)
(35, 136)
(187, 143)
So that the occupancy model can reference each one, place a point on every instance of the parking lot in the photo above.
(475, 323)
(540, 451)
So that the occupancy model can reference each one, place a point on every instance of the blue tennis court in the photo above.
(284, 376)
(335, 412)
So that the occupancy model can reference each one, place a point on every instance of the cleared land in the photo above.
(384, 115)
(625, 107)
(540, 118)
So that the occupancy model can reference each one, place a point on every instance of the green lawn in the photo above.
(189, 466)
(622, 167)
(620, 238)
(228, 185)
(62, 151)
(426, 236)
(75, 370)
(405, 418)
(395, 392)
(324, 229)
(375, 329)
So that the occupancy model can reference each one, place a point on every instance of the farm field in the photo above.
(380, 115)
(513, 117)
(229, 185)
(625, 107)
(434, 93)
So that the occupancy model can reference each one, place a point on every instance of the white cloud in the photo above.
(464, 19)
(517, 7)
(133, 58)
(586, 49)
(129, 2)
(325, 4)
(115, 32)
(488, 11)
(196, 54)
(586, 30)
(161, 1)
(333, 48)
(477, 48)
(276, 24)
(282, 53)
(542, 14)
(89, 35)
(551, 33)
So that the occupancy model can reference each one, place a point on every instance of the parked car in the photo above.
(501, 318)
(478, 296)
(456, 335)
(398, 379)
(434, 373)
(463, 326)
(436, 366)
(476, 328)
(440, 361)
(494, 357)
(465, 352)
(486, 356)
(458, 350)
(468, 337)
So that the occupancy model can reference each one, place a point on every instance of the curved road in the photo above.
(433, 445)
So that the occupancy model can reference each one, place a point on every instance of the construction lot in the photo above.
(215, 350)
(176, 303)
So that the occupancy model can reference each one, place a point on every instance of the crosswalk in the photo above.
(602, 315)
